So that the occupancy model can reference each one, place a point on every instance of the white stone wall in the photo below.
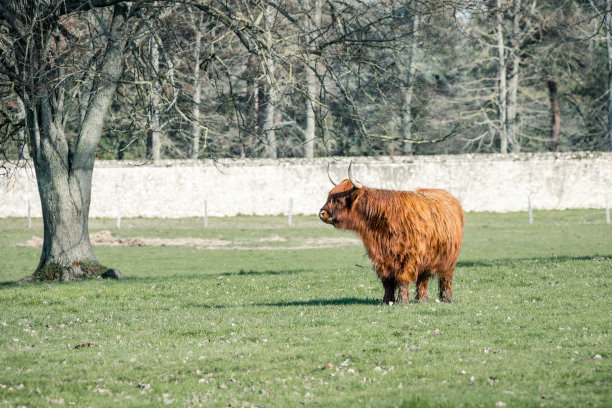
(497, 183)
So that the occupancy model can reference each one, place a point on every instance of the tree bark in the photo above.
(22, 147)
(608, 24)
(197, 90)
(270, 90)
(312, 85)
(64, 175)
(310, 131)
(555, 116)
(501, 67)
(269, 124)
(409, 89)
(514, 80)
(154, 132)
(254, 118)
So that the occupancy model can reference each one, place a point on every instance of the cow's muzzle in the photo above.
(325, 217)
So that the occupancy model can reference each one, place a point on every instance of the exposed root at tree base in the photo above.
(77, 271)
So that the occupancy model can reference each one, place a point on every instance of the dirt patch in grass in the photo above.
(105, 238)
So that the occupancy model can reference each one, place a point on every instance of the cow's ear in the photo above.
(356, 194)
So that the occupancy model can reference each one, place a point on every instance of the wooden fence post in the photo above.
(205, 214)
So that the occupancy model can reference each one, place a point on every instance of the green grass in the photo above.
(529, 326)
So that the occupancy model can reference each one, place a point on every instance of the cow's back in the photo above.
(444, 206)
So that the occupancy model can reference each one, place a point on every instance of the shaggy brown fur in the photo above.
(408, 235)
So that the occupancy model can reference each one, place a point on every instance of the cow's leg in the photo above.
(446, 288)
(422, 281)
(408, 273)
(389, 284)
(403, 294)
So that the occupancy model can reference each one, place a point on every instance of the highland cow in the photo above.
(408, 235)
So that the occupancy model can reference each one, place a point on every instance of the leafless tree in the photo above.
(50, 50)
(608, 30)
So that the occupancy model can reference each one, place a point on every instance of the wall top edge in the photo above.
(344, 160)
(365, 160)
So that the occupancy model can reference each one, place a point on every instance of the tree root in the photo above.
(77, 271)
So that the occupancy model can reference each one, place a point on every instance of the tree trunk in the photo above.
(312, 86)
(254, 116)
(153, 134)
(64, 175)
(555, 116)
(514, 79)
(269, 124)
(409, 90)
(608, 21)
(24, 152)
(197, 89)
(67, 253)
(271, 92)
(501, 66)
(310, 131)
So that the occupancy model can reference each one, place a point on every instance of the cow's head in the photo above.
(340, 202)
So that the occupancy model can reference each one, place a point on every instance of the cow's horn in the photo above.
(350, 174)
(329, 175)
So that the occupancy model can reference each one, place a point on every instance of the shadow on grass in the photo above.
(296, 303)
(217, 275)
(543, 259)
(325, 302)
(252, 272)
(190, 275)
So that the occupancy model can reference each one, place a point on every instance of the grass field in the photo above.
(279, 322)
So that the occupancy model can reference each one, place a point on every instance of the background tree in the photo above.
(607, 11)
(312, 16)
(50, 50)
(355, 84)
